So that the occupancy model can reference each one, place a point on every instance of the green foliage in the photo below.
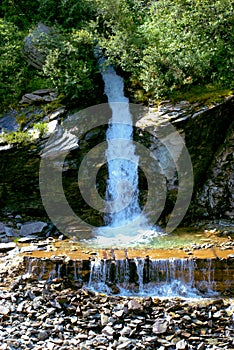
(16, 77)
(11, 63)
(206, 94)
(42, 128)
(68, 13)
(20, 138)
(21, 120)
(71, 66)
(161, 46)
(171, 44)
(22, 13)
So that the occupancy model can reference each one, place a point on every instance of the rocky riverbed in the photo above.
(42, 315)
(58, 314)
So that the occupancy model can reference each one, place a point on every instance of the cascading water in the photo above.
(140, 276)
(123, 221)
(161, 277)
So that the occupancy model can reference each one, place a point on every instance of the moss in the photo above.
(21, 120)
(17, 137)
(204, 94)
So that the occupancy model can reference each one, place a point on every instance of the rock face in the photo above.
(216, 196)
(34, 54)
(208, 135)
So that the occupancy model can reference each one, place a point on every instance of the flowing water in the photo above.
(123, 219)
(186, 278)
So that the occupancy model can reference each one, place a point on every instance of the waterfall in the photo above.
(139, 276)
(161, 277)
(122, 194)
(140, 272)
(122, 184)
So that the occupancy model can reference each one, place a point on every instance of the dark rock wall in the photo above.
(209, 138)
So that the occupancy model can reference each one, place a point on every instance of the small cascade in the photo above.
(140, 264)
(208, 273)
(161, 277)
(138, 276)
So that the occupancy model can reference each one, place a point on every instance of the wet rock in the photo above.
(2, 228)
(42, 335)
(28, 239)
(125, 331)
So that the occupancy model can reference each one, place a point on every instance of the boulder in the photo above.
(33, 45)
(31, 228)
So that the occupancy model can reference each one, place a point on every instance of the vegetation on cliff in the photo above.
(162, 47)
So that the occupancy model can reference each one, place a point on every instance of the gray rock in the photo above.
(104, 319)
(42, 335)
(57, 113)
(33, 44)
(4, 310)
(2, 228)
(124, 345)
(10, 232)
(201, 346)
(108, 331)
(31, 248)
(125, 331)
(181, 345)
(134, 305)
(160, 326)
(7, 246)
(32, 228)
(8, 121)
(28, 239)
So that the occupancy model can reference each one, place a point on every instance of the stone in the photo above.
(7, 246)
(104, 319)
(28, 239)
(181, 345)
(4, 310)
(160, 326)
(32, 50)
(119, 313)
(124, 345)
(2, 228)
(201, 346)
(57, 113)
(108, 331)
(31, 248)
(134, 305)
(51, 127)
(125, 331)
(42, 335)
(30, 228)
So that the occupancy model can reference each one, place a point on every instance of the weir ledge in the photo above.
(159, 277)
